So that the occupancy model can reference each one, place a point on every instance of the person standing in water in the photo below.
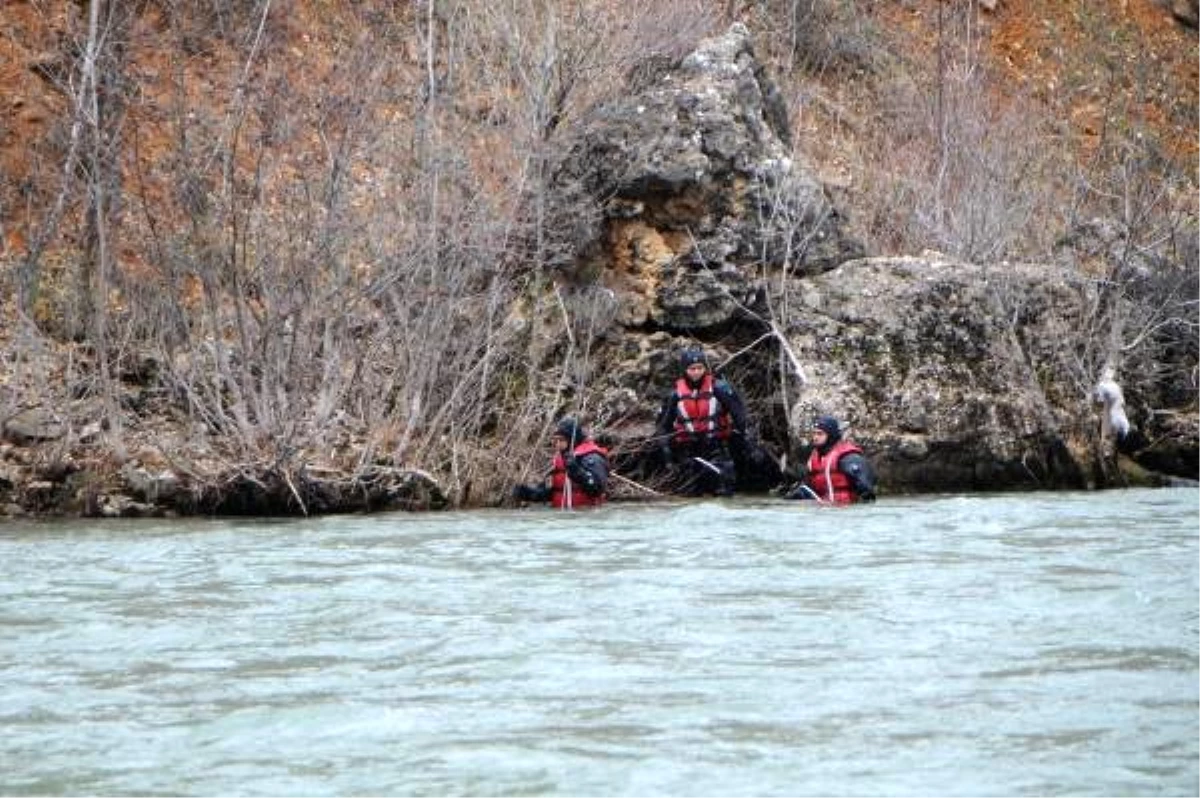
(578, 471)
(700, 419)
(837, 471)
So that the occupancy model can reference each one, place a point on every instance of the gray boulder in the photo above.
(946, 371)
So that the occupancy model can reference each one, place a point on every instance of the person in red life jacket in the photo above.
(837, 471)
(700, 419)
(578, 473)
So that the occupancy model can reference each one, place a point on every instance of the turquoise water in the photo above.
(954, 645)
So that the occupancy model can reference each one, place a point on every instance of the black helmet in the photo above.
(690, 355)
(570, 429)
(830, 426)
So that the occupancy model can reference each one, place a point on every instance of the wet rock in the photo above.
(1174, 448)
(151, 486)
(122, 506)
(41, 496)
(271, 491)
(9, 479)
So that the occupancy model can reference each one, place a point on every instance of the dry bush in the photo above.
(953, 168)
(73, 193)
(339, 273)
(816, 36)
(545, 61)
(1135, 233)
(196, 23)
(1159, 351)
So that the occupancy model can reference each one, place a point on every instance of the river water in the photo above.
(970, 645)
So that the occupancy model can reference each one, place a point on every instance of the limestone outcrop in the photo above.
(677, 194)
(686, 200)
(949, 372)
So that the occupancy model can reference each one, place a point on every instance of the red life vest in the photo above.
(830, 484)
(699, 414)
(565, 495)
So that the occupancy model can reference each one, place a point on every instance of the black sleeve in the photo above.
(531, 493)
(730, 400)
(589, 472)
(664, 426)
(860, 473)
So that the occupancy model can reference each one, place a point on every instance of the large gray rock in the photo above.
(676, 195)
(151, 485)
(946, 370)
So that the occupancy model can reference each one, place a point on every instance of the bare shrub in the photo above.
(71, 298)
(361, 269)
(195, 22)
(343, 276)
(954, 170)
(1162, 333)
(1140, 246)
(816, 36)
(549, 59)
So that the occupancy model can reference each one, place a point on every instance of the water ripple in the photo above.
(1035, 644)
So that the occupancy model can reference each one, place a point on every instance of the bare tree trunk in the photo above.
(102, 107)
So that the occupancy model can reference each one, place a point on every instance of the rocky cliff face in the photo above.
(689, 186)
(706, 225)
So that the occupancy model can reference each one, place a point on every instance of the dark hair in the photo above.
(571, 429)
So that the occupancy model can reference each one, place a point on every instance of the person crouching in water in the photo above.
(837, 471)
(698, 421)
(578, 473)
